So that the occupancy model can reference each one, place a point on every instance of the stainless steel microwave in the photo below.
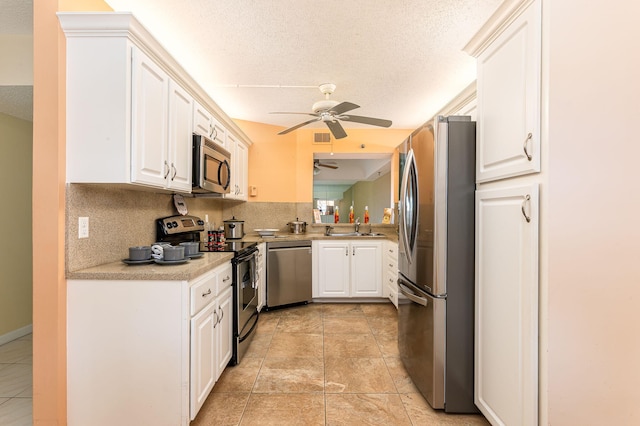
(211, 167)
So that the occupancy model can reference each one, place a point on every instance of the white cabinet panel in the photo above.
(508, 85)
(224, 331)
(366, 270)
(150, 97)
(203, 357)
(333, 269)
(180, 138)
(506, 348)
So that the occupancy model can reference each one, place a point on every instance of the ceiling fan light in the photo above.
(323, 105)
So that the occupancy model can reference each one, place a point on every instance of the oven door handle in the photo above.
(245, 257)
(255, 315)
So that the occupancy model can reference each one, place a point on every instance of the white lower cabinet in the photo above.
(211, 333)
(390, 268)
(347, 269)
(506, 317)
(146, 352)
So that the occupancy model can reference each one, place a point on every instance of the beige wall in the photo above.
(592, 285)
(15, 263)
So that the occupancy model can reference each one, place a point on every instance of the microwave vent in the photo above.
(322, 137)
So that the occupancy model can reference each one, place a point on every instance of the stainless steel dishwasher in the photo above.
(288, 273)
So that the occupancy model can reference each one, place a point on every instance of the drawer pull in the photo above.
(207, 293)
(224, 280)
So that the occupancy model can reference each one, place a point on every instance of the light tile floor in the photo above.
(320, 364)
(16, 382)
(323, 364)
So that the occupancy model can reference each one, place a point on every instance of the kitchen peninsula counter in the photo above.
(153, 271)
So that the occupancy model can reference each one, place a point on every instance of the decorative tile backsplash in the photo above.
(120, 218)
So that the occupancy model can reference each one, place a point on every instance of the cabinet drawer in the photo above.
(225, 278)
(203, 291)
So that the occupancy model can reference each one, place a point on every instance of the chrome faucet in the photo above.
(357, 225)
(327, 230)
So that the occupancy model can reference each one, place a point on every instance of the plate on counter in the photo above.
(171, 262)
(138, 262)
(266, 232)
(194, 256)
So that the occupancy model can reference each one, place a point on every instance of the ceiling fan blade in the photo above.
(301, 113)
(328, 166)
(290, 129)
(343, 107)
(336, 129)
(366, 120)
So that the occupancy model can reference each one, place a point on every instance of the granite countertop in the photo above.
(194, 267)
(184, 272)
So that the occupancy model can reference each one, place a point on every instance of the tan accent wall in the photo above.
(15, 263)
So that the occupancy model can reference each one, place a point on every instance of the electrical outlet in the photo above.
(83, 227)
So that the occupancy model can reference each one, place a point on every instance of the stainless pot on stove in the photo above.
(297, 227)
(233, 229)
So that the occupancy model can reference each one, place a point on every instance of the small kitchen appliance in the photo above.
(211, 171)
(233, 229)
(297, 226)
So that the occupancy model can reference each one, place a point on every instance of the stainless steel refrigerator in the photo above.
(436, 262)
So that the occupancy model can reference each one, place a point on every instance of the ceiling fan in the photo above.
(332, 112)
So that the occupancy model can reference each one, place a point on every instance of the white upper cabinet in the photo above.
(161, 127)
(180, 138)
(150, 100)
(202, 120)
(508, 123)
(239, 168)
(131, 108)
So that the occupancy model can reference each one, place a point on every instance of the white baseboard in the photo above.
(16, 334)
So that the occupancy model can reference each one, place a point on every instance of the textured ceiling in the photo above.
(398, 59)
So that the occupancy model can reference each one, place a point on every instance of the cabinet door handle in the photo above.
(346, 251)
(529, 136)
(526, 201)
(210, 130)
(215, 312)
(353, 251)
(214, 133)
(221, 316)
(167, 169)
(175, 171)
(207, 293)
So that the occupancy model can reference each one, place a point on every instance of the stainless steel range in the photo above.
(177, 229)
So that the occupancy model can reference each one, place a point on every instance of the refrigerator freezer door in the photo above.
(421, 341)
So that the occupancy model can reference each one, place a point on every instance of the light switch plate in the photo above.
(83, 227)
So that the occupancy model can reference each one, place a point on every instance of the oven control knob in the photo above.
(200, 222)
(169, 225)
(175, 224)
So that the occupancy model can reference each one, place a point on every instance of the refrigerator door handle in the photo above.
(405, 233)
(411, 296)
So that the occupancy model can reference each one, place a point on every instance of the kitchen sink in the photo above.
(356, 234)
